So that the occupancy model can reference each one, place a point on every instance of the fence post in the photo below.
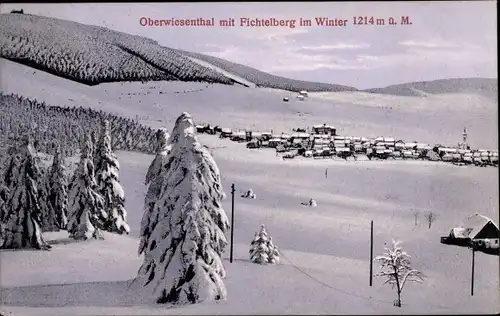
(232, 223)
(371, 252)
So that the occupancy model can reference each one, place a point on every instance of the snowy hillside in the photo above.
(482, 86)
(161, 221)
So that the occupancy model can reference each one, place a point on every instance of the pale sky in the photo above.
(446, 39)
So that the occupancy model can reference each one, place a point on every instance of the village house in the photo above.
(477, 229)
(324, 130)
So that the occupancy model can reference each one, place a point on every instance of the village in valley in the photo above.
(142, 177)
(322, 141)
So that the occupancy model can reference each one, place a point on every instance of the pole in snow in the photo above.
(232, 223)
(371, 253)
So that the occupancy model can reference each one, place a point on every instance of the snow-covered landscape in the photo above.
(301, 227)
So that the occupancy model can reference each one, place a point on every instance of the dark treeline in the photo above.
(50, 126)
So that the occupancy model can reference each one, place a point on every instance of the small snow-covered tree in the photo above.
(262, 248)
(185, 236)
(22, 217)
(58, 190)
(86, 205)
(274, 254)
(396, 269)
(259, 251)
(109, 185)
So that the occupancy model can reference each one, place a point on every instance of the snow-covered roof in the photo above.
(239, 133)
(226, 130)
(324, 126)
(389, 139)
(449, 150)
(256, 134)
(459, 232)
(275, 140)
(476, 222)
(300, 135)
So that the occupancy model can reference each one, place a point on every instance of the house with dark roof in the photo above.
(477, 230)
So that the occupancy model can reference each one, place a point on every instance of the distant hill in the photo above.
(483, 86)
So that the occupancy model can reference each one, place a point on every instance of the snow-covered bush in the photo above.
(262, 250)
(396, 269)
(109, 186)
(86, 206)
(21, 220)
(184, 240)
(249, 194)
(310, 203)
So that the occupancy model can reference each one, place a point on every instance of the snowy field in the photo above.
(325, 250)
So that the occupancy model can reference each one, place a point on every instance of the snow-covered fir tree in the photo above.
(48, 214)
(185, 239)
(4, 195)
(273, 256)
(396, 269)
(22, 217)
(154, 180)
(58, 190)
(109, 184)
(262, 249)
(162, 149)
(259, 251)
(86, 205)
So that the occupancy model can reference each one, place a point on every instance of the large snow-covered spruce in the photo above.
(110, 189)
(58, 190)
(21, 222)
(86, 205)
(154, 180)
(185, 238)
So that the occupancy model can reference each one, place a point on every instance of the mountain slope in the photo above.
(483, 86)
(91, 54)
(263, 79)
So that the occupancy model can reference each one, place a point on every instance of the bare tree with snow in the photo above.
(109, 184)
(185, 238)
(22, 218)
(86, 205)
(416, 215)
(430, 217)
(396, 269)
(58, 190)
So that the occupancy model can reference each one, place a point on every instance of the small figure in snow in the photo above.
(311, 203)
(326, 173)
